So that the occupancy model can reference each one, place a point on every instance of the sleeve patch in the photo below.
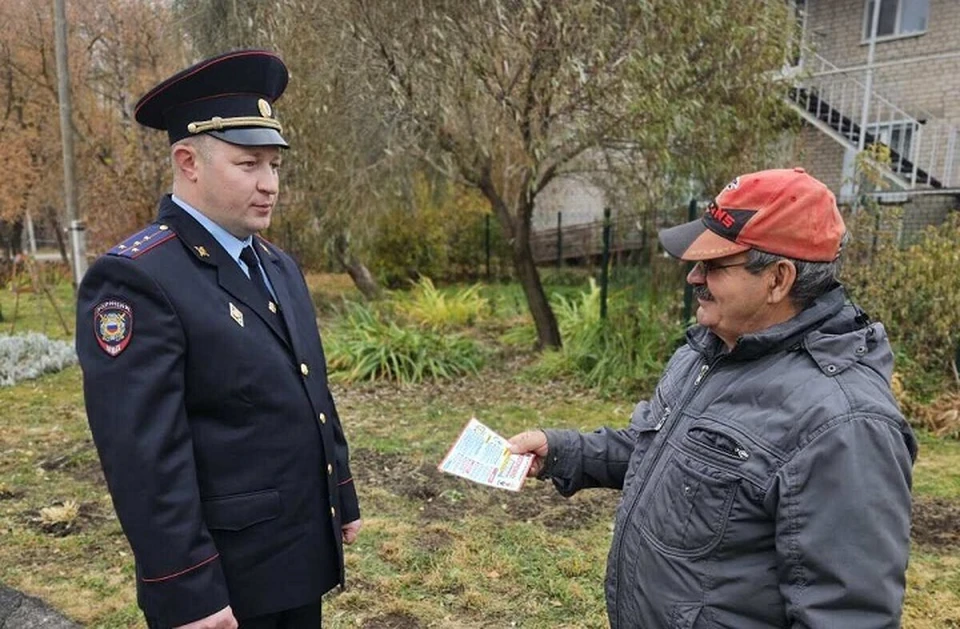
(113, 326)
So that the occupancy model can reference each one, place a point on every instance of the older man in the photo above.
(767, 481)
(204, 375)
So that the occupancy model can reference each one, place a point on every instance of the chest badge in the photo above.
(236, 314)
(113, 326)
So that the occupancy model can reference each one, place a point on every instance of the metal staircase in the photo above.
(922, 149)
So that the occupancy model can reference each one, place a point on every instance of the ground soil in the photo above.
(936, 522)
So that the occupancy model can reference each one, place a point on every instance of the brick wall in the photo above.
(821, 156)
(835, 30)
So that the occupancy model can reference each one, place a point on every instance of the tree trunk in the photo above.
(548, 332)
(362, 277)
(516, 227)
(57, 229)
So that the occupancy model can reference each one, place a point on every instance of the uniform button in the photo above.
(329, 469)
(333, 512)
(304, 369)
(323, 418)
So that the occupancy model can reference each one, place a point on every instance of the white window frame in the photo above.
(896, 34)
(883, 132)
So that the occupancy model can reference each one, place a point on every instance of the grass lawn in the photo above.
(435, 551)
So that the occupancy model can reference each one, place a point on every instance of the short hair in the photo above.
(201, 143)
(813, 278)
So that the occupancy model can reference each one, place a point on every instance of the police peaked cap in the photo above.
(229, 97)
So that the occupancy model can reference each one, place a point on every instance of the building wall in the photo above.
(925, 210)
(906, 72)
(579, 201)
(924, 88)
(821, 156)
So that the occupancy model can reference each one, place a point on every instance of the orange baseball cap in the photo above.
(785, 212)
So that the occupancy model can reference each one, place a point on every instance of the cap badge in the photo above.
(113, 325)
(265, 110)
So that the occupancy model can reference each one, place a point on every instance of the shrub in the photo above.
(429, 306)
(434, 229)
(364, 347)
(915, 292)
(27, 356)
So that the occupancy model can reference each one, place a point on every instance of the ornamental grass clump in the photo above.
(624, 353)
(433, 308)
(366, 346)
(27, 356)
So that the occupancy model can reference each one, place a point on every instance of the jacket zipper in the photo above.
(704, 368)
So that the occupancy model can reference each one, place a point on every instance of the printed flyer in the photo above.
(484, 457)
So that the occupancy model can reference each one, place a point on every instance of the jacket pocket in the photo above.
(240, 511)
(684, 615)
(688, 509)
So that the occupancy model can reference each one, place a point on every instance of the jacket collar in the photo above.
(784, 335)
(207, 250)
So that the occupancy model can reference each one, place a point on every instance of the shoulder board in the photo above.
(143, 241)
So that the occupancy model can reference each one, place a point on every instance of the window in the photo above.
(898, 135)
(897, 17)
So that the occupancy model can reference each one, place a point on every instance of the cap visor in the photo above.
(251, 136)
(693, 241)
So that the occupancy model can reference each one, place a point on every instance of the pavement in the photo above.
(19, 611)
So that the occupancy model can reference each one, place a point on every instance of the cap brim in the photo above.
(693, 241)
(251, 136)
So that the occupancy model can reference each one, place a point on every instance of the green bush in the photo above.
(438, 310)
(364, 347)
(435, 229)
(914, 291)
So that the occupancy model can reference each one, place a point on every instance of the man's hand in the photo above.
(534, 441)
(223, 619)
(350, 530)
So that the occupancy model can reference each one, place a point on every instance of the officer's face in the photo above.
(238, 185)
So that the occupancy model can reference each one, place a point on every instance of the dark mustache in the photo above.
(702, 292)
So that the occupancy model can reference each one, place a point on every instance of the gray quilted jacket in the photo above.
(768, 486)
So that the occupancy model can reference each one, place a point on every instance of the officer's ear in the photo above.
(186, 157)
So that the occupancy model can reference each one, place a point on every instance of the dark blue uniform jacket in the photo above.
(218, 436)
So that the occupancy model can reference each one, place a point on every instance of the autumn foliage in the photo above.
(117, 48)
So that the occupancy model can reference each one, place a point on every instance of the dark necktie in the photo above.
(249, 257)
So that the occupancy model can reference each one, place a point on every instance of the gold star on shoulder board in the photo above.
(202, 251)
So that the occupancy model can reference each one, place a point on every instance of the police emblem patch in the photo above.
(113, 326)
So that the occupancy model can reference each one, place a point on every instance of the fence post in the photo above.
(559, 239)
(486, 242)
(605, 263)
(687, 287)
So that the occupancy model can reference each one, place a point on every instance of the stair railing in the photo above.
(921, 145)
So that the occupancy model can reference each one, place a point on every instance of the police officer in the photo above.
(204, 376)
